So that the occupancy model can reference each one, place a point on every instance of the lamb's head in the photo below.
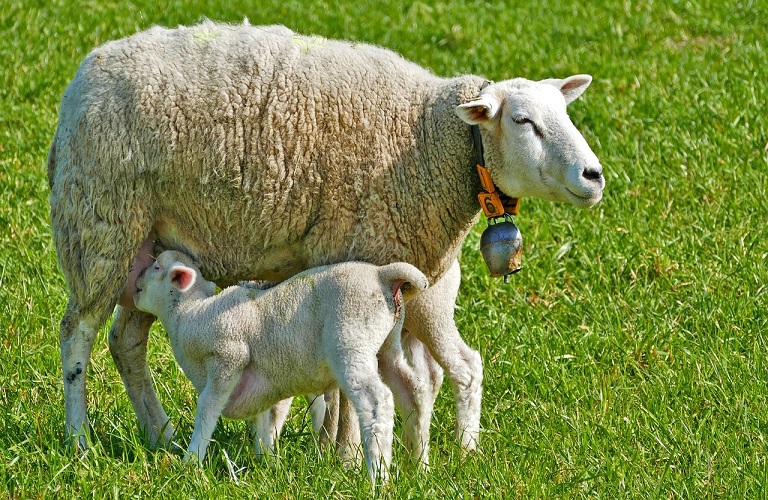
(531, 146)
(172, 277)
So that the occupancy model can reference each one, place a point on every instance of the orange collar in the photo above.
(493, 202)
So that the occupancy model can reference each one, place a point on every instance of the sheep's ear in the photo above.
(479, 111)
(571, 87)
(182, 277)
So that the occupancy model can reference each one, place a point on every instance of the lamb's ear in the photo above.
(481, 110)
(182, 277)
(571, 87)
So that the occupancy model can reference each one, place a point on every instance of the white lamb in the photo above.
(262, 153)
(246, 349)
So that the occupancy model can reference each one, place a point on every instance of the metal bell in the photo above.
(502, 247)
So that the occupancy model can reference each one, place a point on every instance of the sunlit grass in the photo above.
(626, 360)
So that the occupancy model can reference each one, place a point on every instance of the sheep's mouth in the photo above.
(584, 201)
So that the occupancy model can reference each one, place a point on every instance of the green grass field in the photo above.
(627, 360)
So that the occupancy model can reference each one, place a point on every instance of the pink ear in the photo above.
(182, 277)
(571, 87)
(481, 110)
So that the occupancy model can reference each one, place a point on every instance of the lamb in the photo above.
(246, 349)
(262, 153)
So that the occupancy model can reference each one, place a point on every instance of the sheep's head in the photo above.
(171, 276)
(531, 146)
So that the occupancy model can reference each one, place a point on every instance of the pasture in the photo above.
(626, 360)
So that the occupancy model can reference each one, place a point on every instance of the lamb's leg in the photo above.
(221, 382)
(358, 377)
(316, 411)
(430, 374)
(128, 345)
(330, 428)
(375, 409)
(267, 426)
(409, 392)
(348, 439)
(430, 319)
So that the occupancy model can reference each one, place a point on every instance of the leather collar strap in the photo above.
(493, 202)
(477, 139)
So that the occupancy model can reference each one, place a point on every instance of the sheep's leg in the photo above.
(279, 413)
(340, 428)
(76, 338)
(267, 426)
(424, 366)
(430, 319)
(128, 345)
(94, 253)
(409, 394)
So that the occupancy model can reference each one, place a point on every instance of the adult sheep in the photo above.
(263, 153)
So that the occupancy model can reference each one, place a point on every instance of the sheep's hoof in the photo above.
(193, 459)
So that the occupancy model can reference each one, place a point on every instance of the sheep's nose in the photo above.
(593, 173)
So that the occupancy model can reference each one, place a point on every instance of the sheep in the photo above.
(262, 153)
(246, 349)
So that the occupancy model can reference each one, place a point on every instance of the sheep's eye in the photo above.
(521, 120)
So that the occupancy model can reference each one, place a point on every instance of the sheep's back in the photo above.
(246, 138)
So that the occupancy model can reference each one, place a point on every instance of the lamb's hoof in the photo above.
(163, 441)
(469, 441)
(351, 455)
(78, 442)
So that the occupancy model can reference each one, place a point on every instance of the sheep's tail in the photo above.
(52, 163)
(404, 277)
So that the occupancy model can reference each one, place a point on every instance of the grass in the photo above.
(627, 360)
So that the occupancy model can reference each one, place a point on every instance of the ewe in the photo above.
(262, 153)
(245, 349)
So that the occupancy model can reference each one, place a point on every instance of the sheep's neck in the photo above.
(439, 204)
(493, 202)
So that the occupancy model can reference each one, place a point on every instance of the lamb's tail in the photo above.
(404, 277)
